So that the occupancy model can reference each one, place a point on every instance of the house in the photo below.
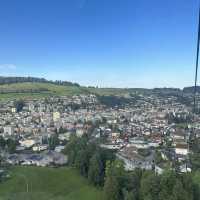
(182, 149)
(27, 143)
(184, 168)
(13, 110)
(42, 159)
(40, 147)
(115, 135)
(8, 130)
(158, 170)
(135, 162)
(179, 134)
(132, 159)
(56, 116)
(110, 146)
(65, 136)
(79, 132)
(59, 148)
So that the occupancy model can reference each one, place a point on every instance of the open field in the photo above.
(35, 183)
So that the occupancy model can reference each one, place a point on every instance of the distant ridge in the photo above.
(19, 79)
(10, 80)
(191, 89)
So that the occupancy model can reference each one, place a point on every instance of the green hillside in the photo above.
(25, 90)
(37, 90)
(47, 184)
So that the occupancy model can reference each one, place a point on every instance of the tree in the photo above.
(178, 192)
(19, 105)
(79, 153)
(62, 130)
(150, 186)
(158, 157)
(11, 145)
(74, 146)
(96, 170)
(71, 149)
(196, 185)
(132, 184)
(129, 195)
(2, 142)
(53, 141)
(195, 161)
(167, 181)
(115, 177)
(82, 162)
(84, 154)
(188, 185)
(111, 188)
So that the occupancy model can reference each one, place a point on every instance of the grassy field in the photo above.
(47, 184)
(29, 90)
(38, 90)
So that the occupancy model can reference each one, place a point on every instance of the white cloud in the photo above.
(7, 67)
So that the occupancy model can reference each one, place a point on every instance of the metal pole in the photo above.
(197, 62)
(26, 182)
(27, 187)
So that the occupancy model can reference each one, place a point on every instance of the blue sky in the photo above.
(109, 43)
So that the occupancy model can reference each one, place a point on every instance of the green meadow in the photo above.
(36, 183)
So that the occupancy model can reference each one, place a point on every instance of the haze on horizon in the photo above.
(109, 43)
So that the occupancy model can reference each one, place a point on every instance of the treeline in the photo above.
(112, 101)
(103, 170)
(167, 91)
(9, 80)
(146, 185)
(191, 89)
(195, 156)
(38, 90)
(9, 145)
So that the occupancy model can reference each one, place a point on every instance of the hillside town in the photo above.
(149, 132)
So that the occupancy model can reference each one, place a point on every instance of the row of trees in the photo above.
(9, 144)
(88, 158)
(9, 80)
(102, 169)
(19, 104)
(195, 156)
(112, 101)
(146, 185)
(19, 90)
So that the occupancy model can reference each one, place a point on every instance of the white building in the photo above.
(56, 116)
(181, 149)
(27, 143)
(40, 148)
(8, 130)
